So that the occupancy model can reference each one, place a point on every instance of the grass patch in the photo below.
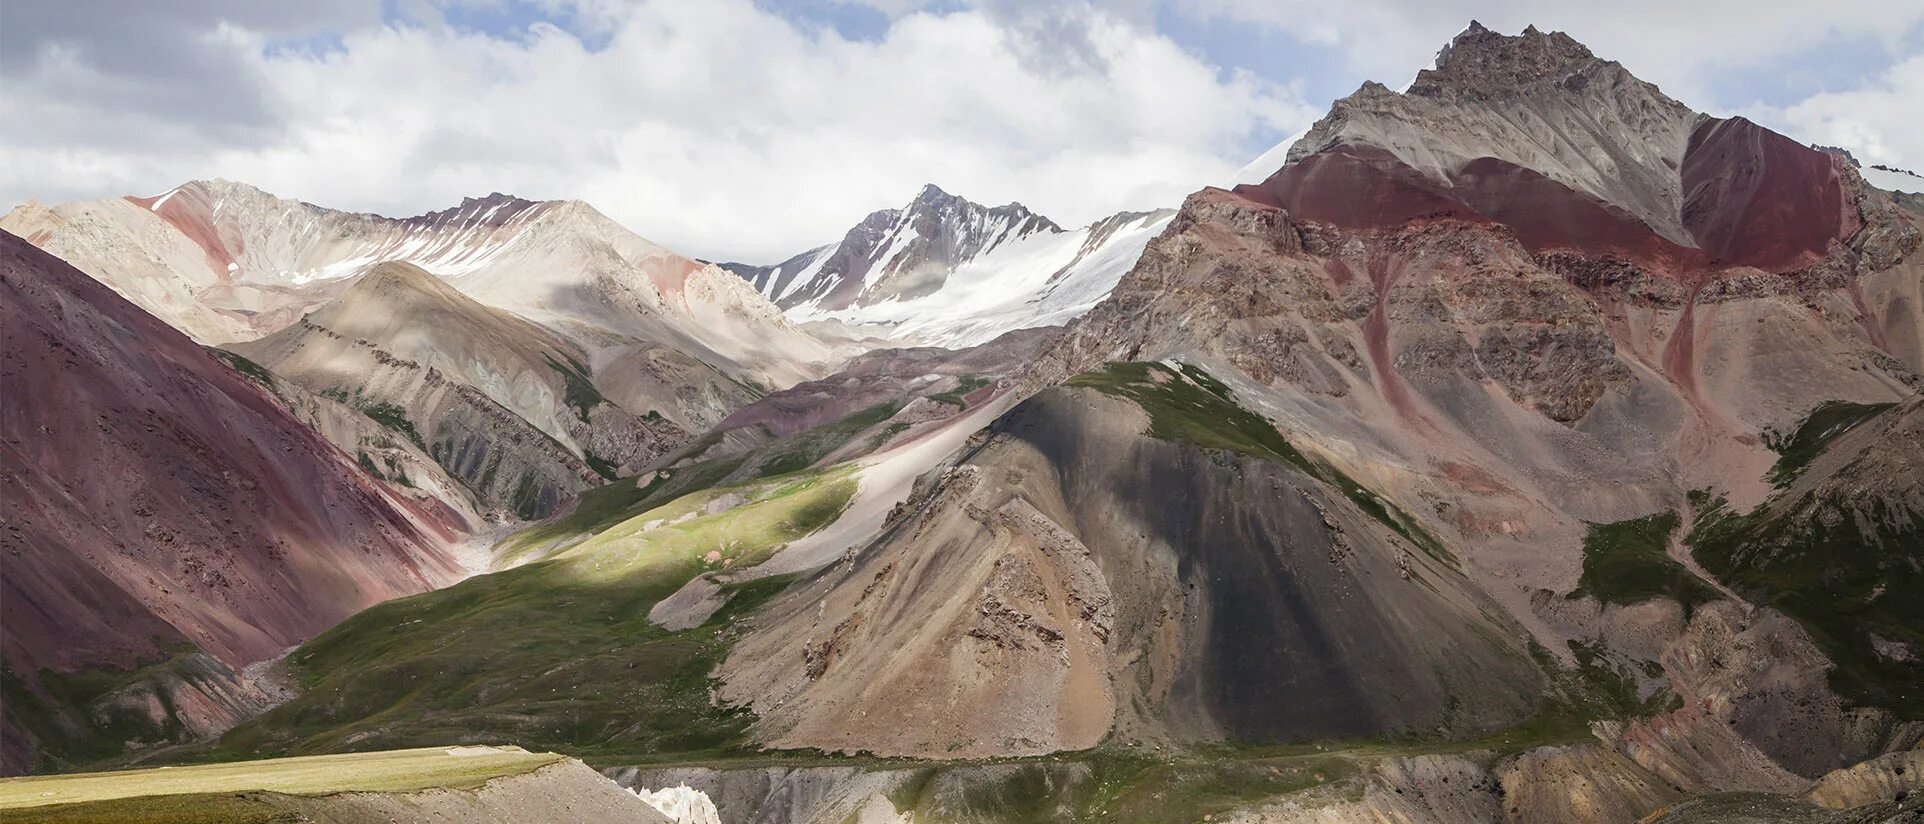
(1132, 788)
(1847, 568)
(390, 771)
(75, 723)
(1825, 424)
(887, 434)
(803, 449)
(395, 418)
(556, 654)
(1626, 562)
(194, 808)
(248, 369)
(956, 396)
(578, 390)
(605, 506)
(1187, 404)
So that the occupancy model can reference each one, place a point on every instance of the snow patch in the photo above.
(1038, 279)
(162, 200)
(682, 804)
(1268, 162)
(1893, 181)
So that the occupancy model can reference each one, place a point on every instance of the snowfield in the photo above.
(1893, 181)
(1040, 279)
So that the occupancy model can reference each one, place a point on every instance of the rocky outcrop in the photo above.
(383, 452)
(1574, 154)
(1893, 777)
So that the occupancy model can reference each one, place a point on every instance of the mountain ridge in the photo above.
(918, 275)
(227, 261)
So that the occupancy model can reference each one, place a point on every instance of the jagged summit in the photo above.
(1482, 60)
(935, 198)
(1576, 156)
(895, 254)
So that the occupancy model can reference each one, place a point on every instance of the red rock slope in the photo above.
(153, 496)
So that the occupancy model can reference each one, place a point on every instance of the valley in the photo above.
(1526, 446)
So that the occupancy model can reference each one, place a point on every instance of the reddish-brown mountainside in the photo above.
(156, 498)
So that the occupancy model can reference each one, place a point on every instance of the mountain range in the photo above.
(943, 271)
(1525, 446)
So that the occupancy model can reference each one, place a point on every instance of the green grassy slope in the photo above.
(1625, 563)
(1844, 555)
(221, 792)
(558, 653)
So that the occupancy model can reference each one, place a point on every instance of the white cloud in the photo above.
(714, 127)
(1680, 45)
(1880, 122)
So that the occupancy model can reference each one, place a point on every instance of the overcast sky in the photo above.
(735, 129)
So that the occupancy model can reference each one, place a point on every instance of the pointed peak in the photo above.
(1369, 89)
(1481, 61)
(933, 195)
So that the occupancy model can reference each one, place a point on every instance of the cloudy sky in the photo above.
(751, 129)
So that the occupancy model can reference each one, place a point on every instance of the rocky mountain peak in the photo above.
(932, 200)
(933, 194)
(1481, 60)
(495, 209)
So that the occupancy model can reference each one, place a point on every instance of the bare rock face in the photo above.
(886, 376)
(1583, 782)
(1756, 712)
(158, 498)
(1452, 789)
(1536, 102)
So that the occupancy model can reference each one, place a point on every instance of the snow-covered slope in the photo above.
(226, 261)
(947, 272)
(895, 254)
(1892, 180)
(1043, 279)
